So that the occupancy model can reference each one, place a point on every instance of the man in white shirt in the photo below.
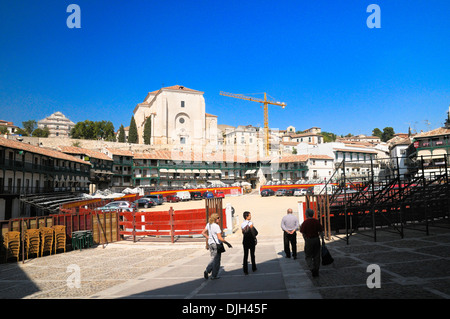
(290, 224)
(248, 242)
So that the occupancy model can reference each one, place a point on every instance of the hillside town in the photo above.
(188, 149)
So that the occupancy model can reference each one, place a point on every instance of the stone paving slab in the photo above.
(415, 267)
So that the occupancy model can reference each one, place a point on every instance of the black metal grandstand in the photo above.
(388, 199)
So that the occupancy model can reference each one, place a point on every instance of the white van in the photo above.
(184, 195)
(320, 189)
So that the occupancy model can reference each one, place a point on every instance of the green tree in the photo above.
(121, 135)
(328, 137)
(29, 126)
(147, 131)
(132, 133)
(84, 130)
(39, 132)
(377, 132)
(90, 130)
(22, 132)
(388, 133)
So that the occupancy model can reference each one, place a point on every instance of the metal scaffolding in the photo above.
(388, 198)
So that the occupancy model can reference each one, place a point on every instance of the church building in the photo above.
(177, 116)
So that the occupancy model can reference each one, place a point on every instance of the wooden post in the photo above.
(134, 226)
(172, 232)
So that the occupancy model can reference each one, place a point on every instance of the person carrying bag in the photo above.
(249, 241)
(327, 259)
(213, 234)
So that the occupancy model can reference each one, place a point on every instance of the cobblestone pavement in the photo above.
(417, 266)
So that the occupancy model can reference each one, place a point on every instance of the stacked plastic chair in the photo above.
(60, 237)
(12, 244)
(46, 240)
(33, 241)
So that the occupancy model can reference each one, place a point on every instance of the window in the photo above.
(182, 103)
(182, 140)
(181, 120)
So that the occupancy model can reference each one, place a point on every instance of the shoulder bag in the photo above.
(220, 246)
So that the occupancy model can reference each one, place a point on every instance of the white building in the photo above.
(357, 157)
(177, 116)
(58, 125)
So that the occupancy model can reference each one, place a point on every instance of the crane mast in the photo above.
(266, 103)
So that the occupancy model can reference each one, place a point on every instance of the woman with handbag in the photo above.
(213, 234)
(249, 241)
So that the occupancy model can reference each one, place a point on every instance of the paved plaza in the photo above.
(415, 267)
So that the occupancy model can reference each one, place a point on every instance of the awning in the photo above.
(172, 170)
(180, 170)
(247, 172)
(195, 171)
(210, 171)
(163, 170)
(188, 171)
(203, 171)
(218, 171)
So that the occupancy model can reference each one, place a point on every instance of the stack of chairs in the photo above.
(33, 241)
(60, 237)
(46, 240)
(12, 244)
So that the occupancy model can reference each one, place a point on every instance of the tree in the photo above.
(388, 133)
(29, 126)
(39, 132)
(328, 137)
(90, 130)
(132, 133)
(377, 132)
(147, 131)
(22, 132)
(121, 135)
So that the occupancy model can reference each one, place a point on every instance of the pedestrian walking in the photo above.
(290, 224)
(248, 241)
(311, 229)
(213, 233)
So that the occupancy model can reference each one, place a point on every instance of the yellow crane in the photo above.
(266, 103)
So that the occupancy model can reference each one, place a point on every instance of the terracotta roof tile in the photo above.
(83, 151)
(39, 150)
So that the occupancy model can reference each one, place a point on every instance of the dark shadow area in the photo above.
(14, 282)
(413, 267)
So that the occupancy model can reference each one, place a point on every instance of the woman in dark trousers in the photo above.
(248, 241)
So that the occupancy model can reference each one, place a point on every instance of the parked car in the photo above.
(220, 195)
(184, 195)
(280, 192)
(290, 191)
(172, 199)
(196, 195)
(144, 202)
(267, 192)
(300, 192)
(208, 194)
(159, 199)
(117, 205)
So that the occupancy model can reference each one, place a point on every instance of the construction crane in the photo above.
(266, 112)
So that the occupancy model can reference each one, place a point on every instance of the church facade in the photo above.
(177, 115)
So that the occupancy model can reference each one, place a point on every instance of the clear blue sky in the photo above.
(319, 57)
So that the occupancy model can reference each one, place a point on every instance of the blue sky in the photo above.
(319, 57)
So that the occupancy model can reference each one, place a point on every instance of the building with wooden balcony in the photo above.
(27, 169)
(429, 150)
(101, 166)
